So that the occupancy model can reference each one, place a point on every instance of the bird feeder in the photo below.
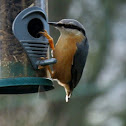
(20, 53)
(26, 28)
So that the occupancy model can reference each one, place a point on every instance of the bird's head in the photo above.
(69, 26)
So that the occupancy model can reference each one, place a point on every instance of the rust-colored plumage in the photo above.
(64, 52)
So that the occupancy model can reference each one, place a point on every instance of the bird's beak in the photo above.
(53, 24)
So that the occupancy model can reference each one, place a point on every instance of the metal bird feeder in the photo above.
(19, 60)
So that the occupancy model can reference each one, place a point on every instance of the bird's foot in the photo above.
(42, 58)
(40, 67)
(47, 67)
(50, 39)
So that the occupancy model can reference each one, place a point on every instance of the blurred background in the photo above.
(100, 97)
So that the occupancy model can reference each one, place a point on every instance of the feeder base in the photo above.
(24, 85)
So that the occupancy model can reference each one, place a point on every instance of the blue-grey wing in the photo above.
(79, 63)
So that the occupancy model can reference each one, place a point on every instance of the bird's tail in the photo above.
(68, 97)
(68, 92)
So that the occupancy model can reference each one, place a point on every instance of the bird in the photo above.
(71, 51)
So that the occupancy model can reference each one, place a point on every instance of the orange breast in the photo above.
(64, 53)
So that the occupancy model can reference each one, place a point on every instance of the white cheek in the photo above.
(70, 31)
(76, 32)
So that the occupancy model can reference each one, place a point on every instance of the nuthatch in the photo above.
(71, 52)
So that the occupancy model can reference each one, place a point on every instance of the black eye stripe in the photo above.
(70, 26)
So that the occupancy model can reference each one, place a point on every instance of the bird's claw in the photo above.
(45, 33)
(50, 39)
(40, 67)
(42, 58)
